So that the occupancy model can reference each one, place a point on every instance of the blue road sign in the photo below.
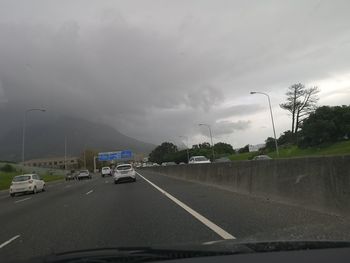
(103, 157)
(126, 154)
(110, 156)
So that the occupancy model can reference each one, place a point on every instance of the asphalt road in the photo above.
(156, 210)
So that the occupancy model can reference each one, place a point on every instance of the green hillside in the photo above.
(339, 148)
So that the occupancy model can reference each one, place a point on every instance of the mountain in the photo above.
(46, 139)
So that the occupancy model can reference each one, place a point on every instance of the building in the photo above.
(54, 162)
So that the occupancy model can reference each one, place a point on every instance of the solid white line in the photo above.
(18, 201)
(89, 192)
(218, 230)
(9, 241)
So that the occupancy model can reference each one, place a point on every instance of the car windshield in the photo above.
(124, 167)
(172, 123)
(21, 178)
(201, 159)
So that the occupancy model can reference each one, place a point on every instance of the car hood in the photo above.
(212, 248)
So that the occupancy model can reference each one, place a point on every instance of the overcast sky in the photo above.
(155, 69)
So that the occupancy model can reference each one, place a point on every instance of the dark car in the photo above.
(71, 175)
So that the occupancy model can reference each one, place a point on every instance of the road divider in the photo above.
(318, 183)
(218, 230)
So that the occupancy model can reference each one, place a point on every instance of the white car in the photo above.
(84, 174)
(106, 171)
(198, 159)
(124, 172)
(26, 183)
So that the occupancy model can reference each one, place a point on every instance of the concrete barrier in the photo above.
(320, 183)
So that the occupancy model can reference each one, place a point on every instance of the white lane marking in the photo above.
(218, 230)
(89, 192)
(9, 241)
(22, 200)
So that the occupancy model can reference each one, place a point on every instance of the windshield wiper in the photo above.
(131, 255)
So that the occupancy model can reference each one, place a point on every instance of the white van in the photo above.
(106, 171)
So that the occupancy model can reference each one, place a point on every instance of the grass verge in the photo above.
(339, 148)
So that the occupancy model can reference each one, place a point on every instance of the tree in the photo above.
(223, 148)
(7, 168)
(158, 155)
(300, 102)
(286, 138)
(89, 156)
(326, 125)
(244, 149)
(204, 145)
(270, 144)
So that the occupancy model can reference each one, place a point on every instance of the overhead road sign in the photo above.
(119, 155)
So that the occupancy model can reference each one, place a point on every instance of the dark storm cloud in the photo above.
(155, 70)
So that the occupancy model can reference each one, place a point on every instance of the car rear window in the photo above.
(84, 171)
(124, 167)
(105, 168)
(21, 178)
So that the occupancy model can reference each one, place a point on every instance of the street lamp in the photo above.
(24, 128)
(188, 155)
(273, 123)
(211, 138)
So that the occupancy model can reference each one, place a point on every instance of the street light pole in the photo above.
(65, 153)
(84, 158)
(272, 120)
(211, 138)
(24, 128)
(95, 157)
(188, 155)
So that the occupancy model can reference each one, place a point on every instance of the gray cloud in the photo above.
(155, 70)
(228, 127)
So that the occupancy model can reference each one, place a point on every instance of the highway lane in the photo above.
(68, 218)
(97, 213)
(250, 218)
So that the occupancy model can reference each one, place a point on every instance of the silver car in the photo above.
(84, 174)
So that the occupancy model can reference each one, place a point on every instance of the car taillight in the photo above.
(30, 181)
